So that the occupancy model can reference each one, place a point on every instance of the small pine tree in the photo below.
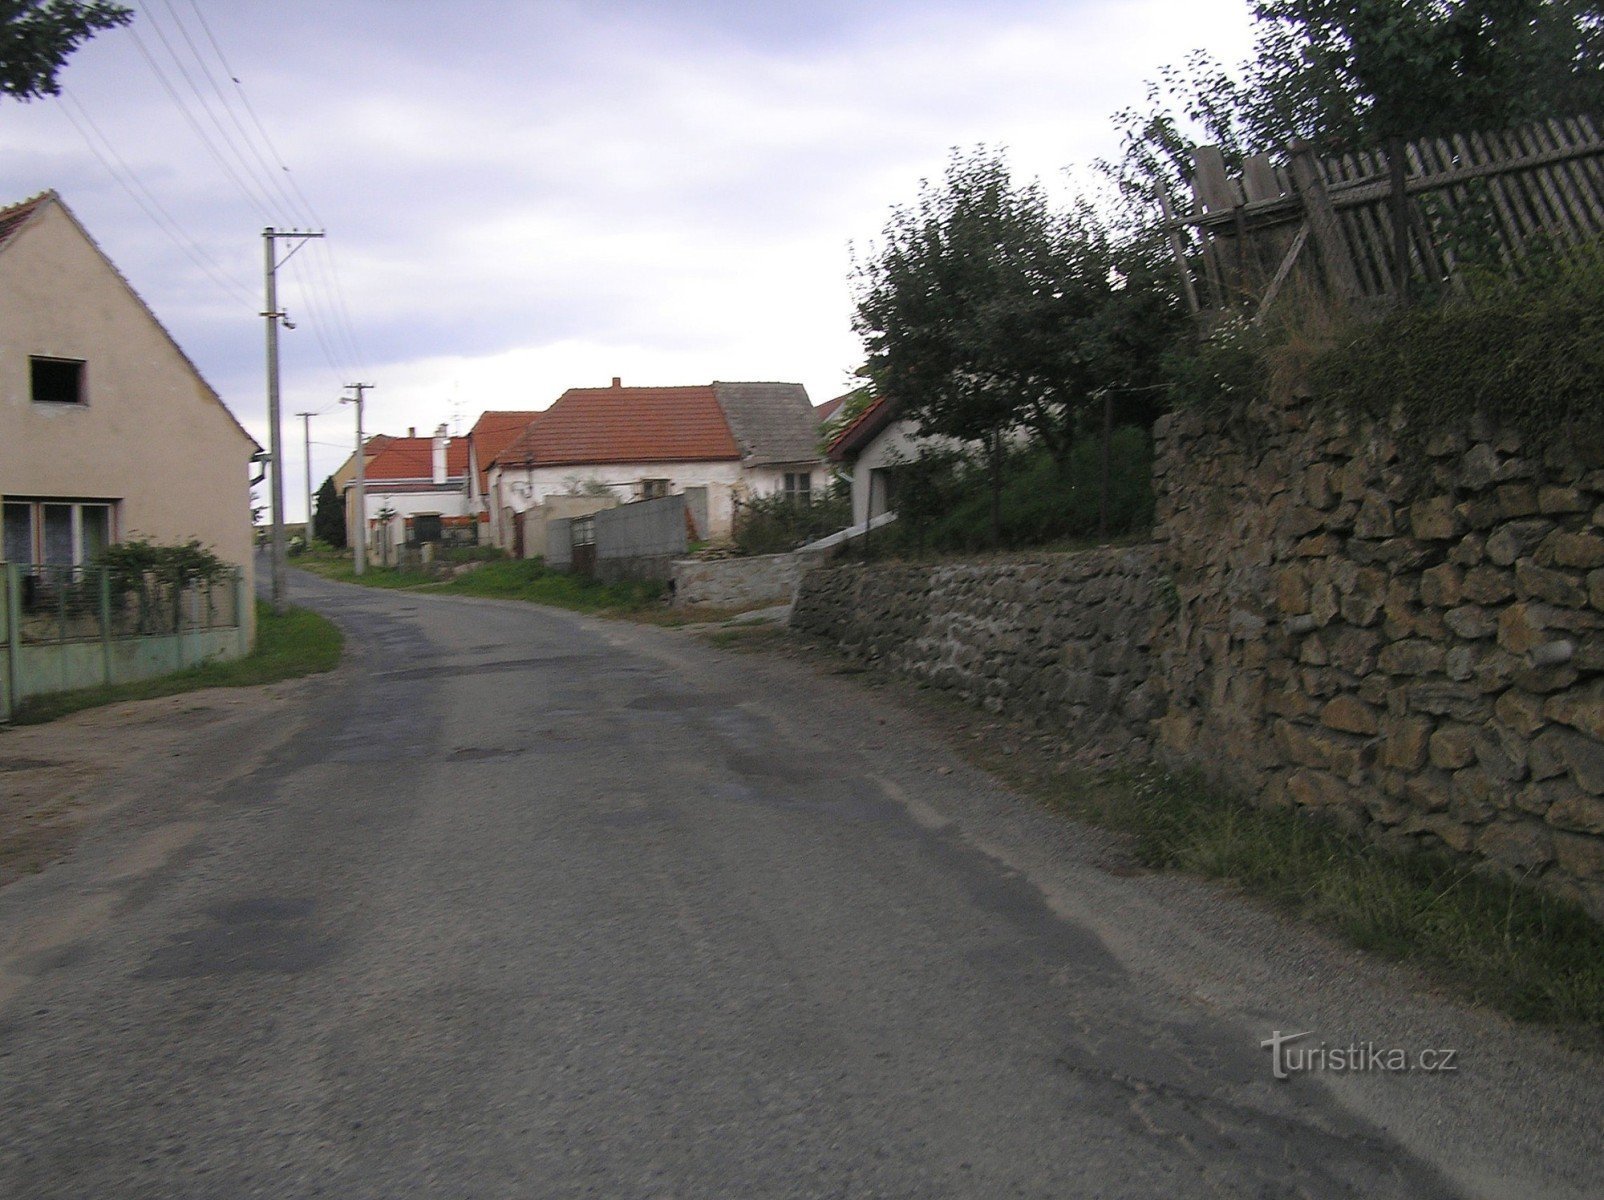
(328, 522)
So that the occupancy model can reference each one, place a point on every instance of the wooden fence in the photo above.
(1334, 222)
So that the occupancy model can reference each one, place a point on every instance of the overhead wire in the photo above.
(126, 178)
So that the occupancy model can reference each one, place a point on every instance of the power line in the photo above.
(142, 196)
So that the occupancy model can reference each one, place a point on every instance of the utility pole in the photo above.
(359, 543)
(306, 433)
(271, 264)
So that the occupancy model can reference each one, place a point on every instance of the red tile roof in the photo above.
(823, 412)
(493, 432)
(861, 429)
(627, 425)
(13, 218)
(413, 458)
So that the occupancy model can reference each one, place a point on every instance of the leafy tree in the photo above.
(37, 36)
(984, 311)
(328, 521)
(1360, 72)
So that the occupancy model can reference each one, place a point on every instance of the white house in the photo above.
(715, 443)
(417, 492)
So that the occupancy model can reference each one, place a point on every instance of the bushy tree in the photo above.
(328, 521)
(37, 36)
(983, 310)
(1357, 73)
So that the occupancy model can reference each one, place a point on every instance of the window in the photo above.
(653, 489)
(57, 380)
(60, 532)
(426, 528)
(799, 487)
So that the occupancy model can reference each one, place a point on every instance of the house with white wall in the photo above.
(869, 449)
(417, 493)
(108, 432)
(715, 443)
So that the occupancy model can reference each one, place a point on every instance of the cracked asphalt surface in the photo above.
(523, 904)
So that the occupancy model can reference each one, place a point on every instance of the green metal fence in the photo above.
(67, 627)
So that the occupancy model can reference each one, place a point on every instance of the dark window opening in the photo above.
(799, 487)
(57, 380)
(653, 489)
(426, 528)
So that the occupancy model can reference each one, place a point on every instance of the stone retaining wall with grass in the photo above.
(1402, 633)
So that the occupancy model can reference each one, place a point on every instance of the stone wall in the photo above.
(736, 582)
(1404, 638)
(1064, 639)
(1407, 641)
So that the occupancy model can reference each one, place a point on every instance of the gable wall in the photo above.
(150, 435)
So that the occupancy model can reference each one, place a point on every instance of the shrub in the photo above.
(776, 523)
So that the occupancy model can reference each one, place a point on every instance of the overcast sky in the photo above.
(525, 197)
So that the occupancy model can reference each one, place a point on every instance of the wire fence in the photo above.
(58, 604)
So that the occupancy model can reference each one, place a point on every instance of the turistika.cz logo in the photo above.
(1287, 1057)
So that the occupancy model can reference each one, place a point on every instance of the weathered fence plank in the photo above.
(1248, 235)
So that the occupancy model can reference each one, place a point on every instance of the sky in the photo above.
(523, 197)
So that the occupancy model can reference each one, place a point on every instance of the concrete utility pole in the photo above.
(306, 434)
(271, 264)
(359, 543)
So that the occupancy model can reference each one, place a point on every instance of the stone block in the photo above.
(1463, 702)
(1429, 791)
(1520, 711)
(1517, 539)
(1411, 656)
(1471, 621)
(1524, 626)
(1517, 500)
(1552, 499)
(1292, 591)
(1405, 742)
(1520, 845)
(1579, 854)
(1441, 586)
(1577, 811)
(1374, 520)
(1533, 582)
(1487, 585)
(1434, 520)
(1582, 550)
(1453, 747)
(1581, 709)
(1350, 715)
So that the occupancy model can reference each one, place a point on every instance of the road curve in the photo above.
(531, 905)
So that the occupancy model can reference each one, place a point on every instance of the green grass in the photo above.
(289, 646)
(1496, 940)
(509, 579)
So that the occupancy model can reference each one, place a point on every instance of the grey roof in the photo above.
(772, 422)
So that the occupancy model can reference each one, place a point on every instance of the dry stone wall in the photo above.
(1406, 635)
(1065, 640)
(1402, 634)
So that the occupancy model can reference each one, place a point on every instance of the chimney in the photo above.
(412, 431)
(441, 441)
(617, 382)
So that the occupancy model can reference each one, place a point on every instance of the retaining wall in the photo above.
(1410, 643)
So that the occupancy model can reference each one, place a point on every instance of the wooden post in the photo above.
(1108, 436)
(1397, 172)
(1323, 226)
(1178, 248)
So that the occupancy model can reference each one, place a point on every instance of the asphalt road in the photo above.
(520, 904)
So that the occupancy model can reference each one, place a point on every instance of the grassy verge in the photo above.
(1496, 940)
(295, 644)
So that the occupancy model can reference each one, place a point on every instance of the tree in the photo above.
(328, 522)
(37, 36)
(984, 311)
(1361, 71)
(1358, 73)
